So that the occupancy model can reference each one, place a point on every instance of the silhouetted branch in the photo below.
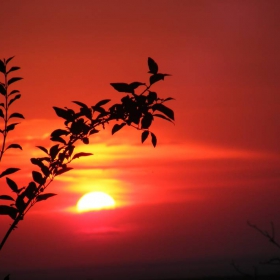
(134, 110)
(269, 236)
(244, 274)
(272, 261)
(10, 96)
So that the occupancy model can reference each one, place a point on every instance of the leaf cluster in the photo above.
(140, 110)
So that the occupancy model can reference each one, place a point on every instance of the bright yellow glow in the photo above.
(95, 201)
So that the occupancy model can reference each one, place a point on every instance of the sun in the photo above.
(93, 201)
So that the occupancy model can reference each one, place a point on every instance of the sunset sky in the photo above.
(182, 207)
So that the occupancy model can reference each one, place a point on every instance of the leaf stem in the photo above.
(5, 118)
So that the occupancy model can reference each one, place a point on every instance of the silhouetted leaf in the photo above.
(147, 120)
(162, 116)
(2, 105)
(62, 113)
(101, 110)
(59, 132)
(14, 146)
(135, 85)
(153, 67)
(9, 59)
(154, 139)
(102, 102)
(39, 162)
(47, 159)
(9, 171)
(45, 170)
(2, 67)
(157, 77)
(87, 112)
(85, 140)
(13, 80)
(45, 196)
(80, 104)
(58, 139)
(1, 113)
(54, 151)
(152, 97)
(2, 90)
(169, 98)
(20, 204)
(14, 99)
(8, 210)
(12, 184)
(93, 131)
(81, 155)
(43, 149)
(11, 126)
(134, 116)
(63, 170)
(38, 178)
(6, 197)
(36, 161)
(117, 127)
(79, 126)
(162, 108)
(14, 68)
(122, 87)
(13, 92)
(144, 135)
(30, 191)
(16, 115)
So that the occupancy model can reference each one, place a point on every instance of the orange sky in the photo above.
(181, 208)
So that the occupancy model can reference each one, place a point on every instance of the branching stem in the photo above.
(270, 237)
(5, 132)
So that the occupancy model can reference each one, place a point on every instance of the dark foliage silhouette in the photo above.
(137, 109)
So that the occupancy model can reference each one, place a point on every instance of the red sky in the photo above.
(182, 207)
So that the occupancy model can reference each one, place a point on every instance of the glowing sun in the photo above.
(95, 201)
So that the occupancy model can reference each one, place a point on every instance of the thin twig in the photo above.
(240, 271)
